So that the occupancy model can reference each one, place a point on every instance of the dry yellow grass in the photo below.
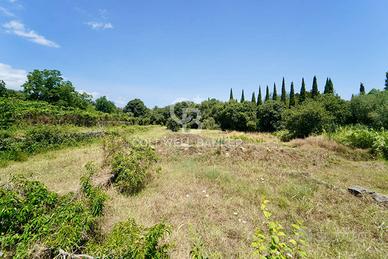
(213, 194)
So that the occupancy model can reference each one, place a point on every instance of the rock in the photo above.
(380, 198)
(357, 191)
(361, 191)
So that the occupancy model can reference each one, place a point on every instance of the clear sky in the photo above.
(165, 50)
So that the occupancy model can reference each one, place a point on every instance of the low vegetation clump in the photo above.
(362, 137)
(131, 162)
(129, 240)
(35, 222)
(274, 242)
(17, 145)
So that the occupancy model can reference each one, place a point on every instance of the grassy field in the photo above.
(211, 183)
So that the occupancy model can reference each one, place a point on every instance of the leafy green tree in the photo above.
(292, 96)
(253, 100)
(370, 109)
(337, 108)
(3, 89)
(303, 94)
(362, 89)
(283, 97)
(306, 119)
(259, 98)
(231, 94)
(104, 105)
(266, 94)
(270, 116)
(242, 97)
(48, 85)
(238, 116)
(386, 81)
(136, 107)
(315, 91)
(274, 94)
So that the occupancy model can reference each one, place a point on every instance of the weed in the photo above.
(278, 244)
(131, 162)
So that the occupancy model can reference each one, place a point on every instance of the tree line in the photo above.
(298, 114)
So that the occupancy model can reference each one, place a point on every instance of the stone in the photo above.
(361, 191)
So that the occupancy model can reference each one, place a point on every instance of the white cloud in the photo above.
(100, 25)
(20, 30)
(13, 77)
(5, 12)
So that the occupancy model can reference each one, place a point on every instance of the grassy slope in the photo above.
(213, 195)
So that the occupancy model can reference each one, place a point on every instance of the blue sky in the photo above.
(165, 50)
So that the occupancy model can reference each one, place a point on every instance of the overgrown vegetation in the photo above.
(129, 240)
(362, 137)
(18, 144)
(131, 162)
(274, 242)
(35, 222)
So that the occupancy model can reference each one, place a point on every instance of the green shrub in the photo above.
(172, 125)
(274, 242)
(40, 138)
(129, 240)
(238, 116)
(362, 137)
(95, 195)
(370, 109)
(309, 118)
(37, 222)
(131, 163)
(270, 116)
(7, 113)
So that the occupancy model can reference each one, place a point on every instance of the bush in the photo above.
(36, 222)
(238, 116)
(370, 109)
(362, 137)
(173, 125)
(7, 114)
(131, 164)
(274, 242)
(38, 139)
(129, 240)
(96, 196)
(270, 116)
(309, 118)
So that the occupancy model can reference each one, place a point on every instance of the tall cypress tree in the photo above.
(362, 89)
(292, 95)
(330, 87)
(266, 94)
(283, 97)
(386, 81)
(326, 91)
(315, 91)
(242, 97)
(302, 94)
(253, 100)
(274, 94)
(259, 100)
(231, 95)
